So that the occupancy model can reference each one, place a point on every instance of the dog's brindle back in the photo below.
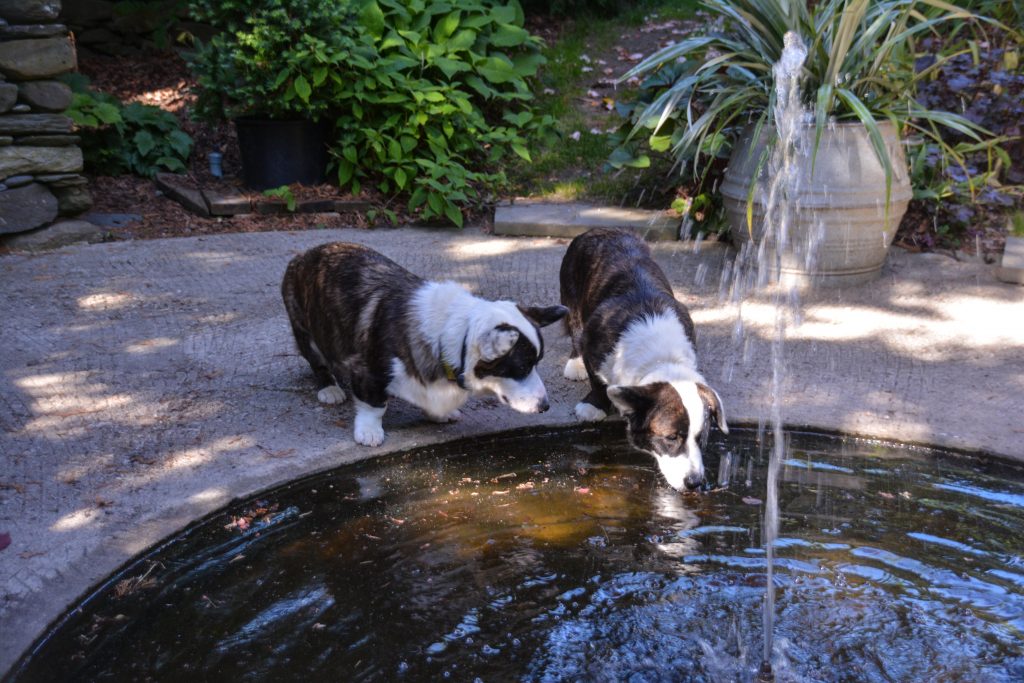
(608, 280)
(351, 302)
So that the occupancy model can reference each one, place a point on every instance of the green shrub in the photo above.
(272, 58)
(445, 100)
(426, 97)
(134, 138)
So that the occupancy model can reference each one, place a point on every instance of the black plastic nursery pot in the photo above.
(276, 152)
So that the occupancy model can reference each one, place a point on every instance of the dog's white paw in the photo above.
(369, 429)
(368, 435)
(453, 416)
(331, 394)
(575, 369)
(589, 413)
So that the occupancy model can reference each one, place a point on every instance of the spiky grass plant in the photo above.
(860, 66)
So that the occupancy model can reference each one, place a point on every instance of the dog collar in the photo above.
(457, 375)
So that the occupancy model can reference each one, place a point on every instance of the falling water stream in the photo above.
(752, 270)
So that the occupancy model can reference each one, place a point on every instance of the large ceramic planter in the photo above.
(842, 202)
(276, 153)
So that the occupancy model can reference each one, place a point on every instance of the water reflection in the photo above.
(562, 558)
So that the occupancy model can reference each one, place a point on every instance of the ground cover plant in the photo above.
(125, 138)
(586, 52)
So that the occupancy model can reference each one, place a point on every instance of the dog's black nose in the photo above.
(544, 406)
(693, 481)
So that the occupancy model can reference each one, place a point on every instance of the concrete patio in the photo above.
(144, 384)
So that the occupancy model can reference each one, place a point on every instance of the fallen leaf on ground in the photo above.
(5, 540)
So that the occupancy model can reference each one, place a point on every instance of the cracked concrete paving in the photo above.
(145, 384)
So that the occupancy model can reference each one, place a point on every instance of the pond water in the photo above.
(561, 555)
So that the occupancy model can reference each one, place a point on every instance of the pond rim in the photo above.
(612, 429)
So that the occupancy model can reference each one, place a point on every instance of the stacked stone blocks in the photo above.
(40, 160)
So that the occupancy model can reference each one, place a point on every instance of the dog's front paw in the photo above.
(575, 369)
(369, 427)
(586, 412)
(369, 434)
(331, 394)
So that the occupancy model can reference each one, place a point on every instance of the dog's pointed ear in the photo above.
(629, 400)
(543, 316)
(497, 342)
(712, 400)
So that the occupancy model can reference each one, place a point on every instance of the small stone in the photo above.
(21, 109)
(49, 140)
(7, 98)
(29, 11)
(112, 220)
(227, 204)
(18, 180)
(32, 31)
(25, 208)
(16, 159)
(45, 95)
(37, 57)
(34, 124)
(178, 188)
(57, 235)
(62, 179)
(72, 200)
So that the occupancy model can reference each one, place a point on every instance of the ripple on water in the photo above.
(563, 556)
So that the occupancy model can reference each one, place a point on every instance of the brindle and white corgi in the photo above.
(635, 343)
(364, 322)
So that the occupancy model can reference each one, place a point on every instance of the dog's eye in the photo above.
(673, 437)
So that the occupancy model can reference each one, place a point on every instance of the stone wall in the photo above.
(40, 161)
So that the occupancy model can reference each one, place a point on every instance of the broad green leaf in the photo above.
(372, 18)
(345, 171)
(144, 142)
(400, 178)
(303, 88)
(447, 26)
(521, 151)
(435, 202)
(463, 40)
(107, 113)
(453, 213)
(504, 14)
(622, 157)
(450, 67)
(660, 143)
(508, 35)
(478, 84)
(170, 163)
(497, 69)
(527, 64)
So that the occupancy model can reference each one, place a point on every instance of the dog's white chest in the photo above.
(438, 399)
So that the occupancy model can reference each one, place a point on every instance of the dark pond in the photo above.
(562, 556)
